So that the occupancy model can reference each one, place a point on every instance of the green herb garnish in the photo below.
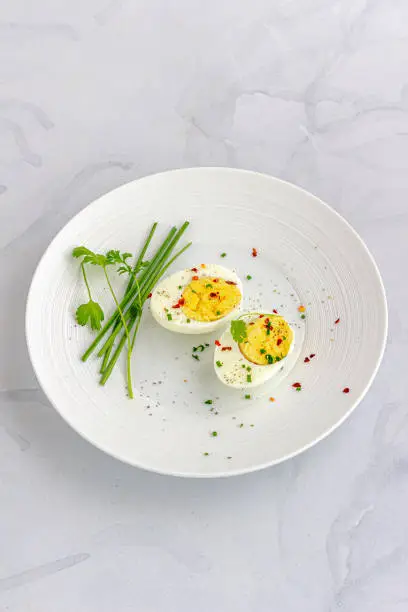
(303, 316)
(249, 277)
(247, 396)
(249, 378)
(169, 317)
(223, 254)
(143, 276)
(214, 434)
(196, 357)
(219, 364)
(269, 358)
(262, 351)
(208, 402)
(238, 330)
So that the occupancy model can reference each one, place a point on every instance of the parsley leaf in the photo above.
(238, 330)
(91, 312)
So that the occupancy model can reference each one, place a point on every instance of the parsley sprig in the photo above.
(124, 323)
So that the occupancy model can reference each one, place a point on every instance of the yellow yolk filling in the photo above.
(209, 298)
(268, 340)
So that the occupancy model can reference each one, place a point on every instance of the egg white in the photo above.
(167, 293)
(233, 374)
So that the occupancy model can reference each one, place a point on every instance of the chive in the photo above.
(277, 358)
(249, 378)
(208, 402)
(241, 425)
(298, 388)
(262, 351)
(218, 312)
(208, 286)
(206, 344)
(214, 434)
(247, 396)
(188, 321)
(269, 358)
(249, 368)
(249, 277)
(196, 357)
(108, 370)
(219, 364)
(169, 317)
(243, 366)
(303, 316)
(223, 254)
(206, 454)
(161, 254)
(180, 287)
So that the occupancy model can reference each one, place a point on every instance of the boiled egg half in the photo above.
(197, 300)
(252, 349)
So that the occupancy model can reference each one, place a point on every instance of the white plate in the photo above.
(307, 254)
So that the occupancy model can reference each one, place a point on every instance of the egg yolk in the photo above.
(268, 340)
(209, 299)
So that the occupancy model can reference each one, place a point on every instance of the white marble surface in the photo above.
(97, 93)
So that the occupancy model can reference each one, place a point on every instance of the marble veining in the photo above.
(95, 94)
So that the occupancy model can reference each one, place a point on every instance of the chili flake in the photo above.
(312, 355)
(215, 280)
(230, 283)
(337, 321)
(195, 278)
(213, 294)
(297, 385)
(203, 266)
(254, 253)
(150, 295)
(275, 311)
(301, 309)
(217, 343)
(226, 348)
(271, 399)
(194, 269)
(346, 390)
(306, 360)
(279, 341)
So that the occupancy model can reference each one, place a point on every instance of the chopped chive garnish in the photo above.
(208, 402)
(268, 332)
(196, 357)
(298, 388)
(249, 277)
(247, 396)
(199, 348)
(206, 454)
(303, 316)
(219, 364)
(208, 286)
(180, 286)
(249, 368)
(241, 425)
(169, 317)
(262, 351)
(223, 254)
(269, 358)
(249, 378)
(218, 313)
(188, 321)
(243, 366)
(284, 337)
(214, 434)
(277, 358)
(206, 344)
